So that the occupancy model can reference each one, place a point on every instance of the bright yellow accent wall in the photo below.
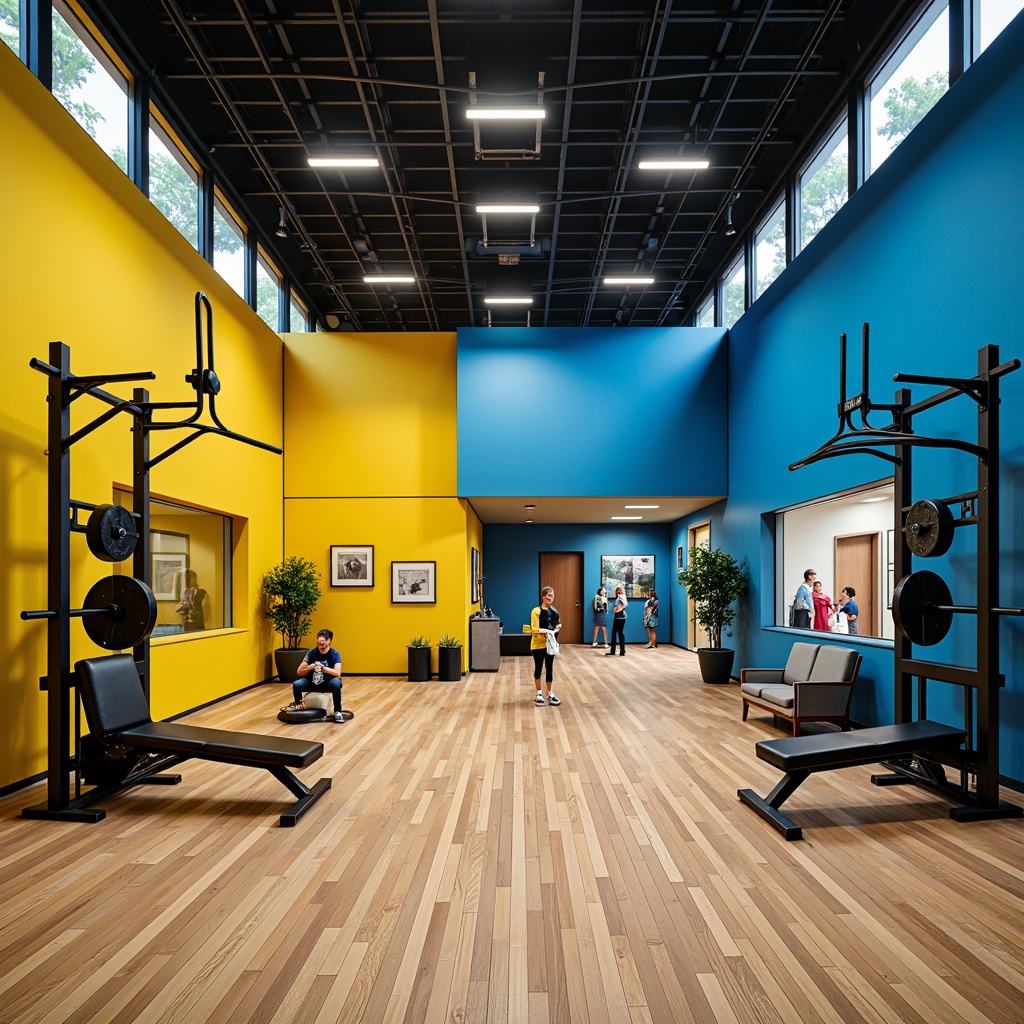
(99, 268)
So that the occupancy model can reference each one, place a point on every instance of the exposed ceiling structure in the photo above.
(265, 84)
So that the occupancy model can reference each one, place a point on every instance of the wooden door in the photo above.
(563, 570)
(696, 636)
(856, 565)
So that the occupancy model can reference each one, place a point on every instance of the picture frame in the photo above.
(414, 582)
(634, 573)
(351, 565)
(475, 578)
(167, 573)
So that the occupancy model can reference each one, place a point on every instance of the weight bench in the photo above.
(126, 747)
(800, 756)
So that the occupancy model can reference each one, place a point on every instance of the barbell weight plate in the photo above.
(111, 533)
(129, 616)
(929, 528)
(914, 611)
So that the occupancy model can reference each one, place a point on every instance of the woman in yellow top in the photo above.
(544, 621)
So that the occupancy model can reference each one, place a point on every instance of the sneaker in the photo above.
(609, 654)
(605, 646)
(593, 645)
(553, 700)
(338, 716)
(647, 647)
(540, 699)
(301, 706)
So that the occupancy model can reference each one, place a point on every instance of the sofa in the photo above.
(816, 685)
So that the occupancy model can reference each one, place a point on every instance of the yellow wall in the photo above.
(96, 266)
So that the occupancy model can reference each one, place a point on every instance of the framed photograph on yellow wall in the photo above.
(414, 582)
(351, 565)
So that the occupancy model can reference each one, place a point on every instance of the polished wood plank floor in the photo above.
(480, 859)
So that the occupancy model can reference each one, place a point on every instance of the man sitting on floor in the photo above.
(320, 671)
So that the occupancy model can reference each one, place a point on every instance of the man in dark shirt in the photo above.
(320, 672)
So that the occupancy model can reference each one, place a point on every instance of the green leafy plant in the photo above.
(714, 581)
(448, 641)
(293, 592)
(419, 641)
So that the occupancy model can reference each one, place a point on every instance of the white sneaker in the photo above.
(646, 647)
(593, 645)
(540, 699)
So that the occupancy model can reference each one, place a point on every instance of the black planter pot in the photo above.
(449, 664)
(287, 661)
(419, 664)
(715, 664)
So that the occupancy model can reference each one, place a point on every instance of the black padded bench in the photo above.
(127, 747)
(800, 756)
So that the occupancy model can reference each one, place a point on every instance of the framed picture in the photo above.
(634, 573)
(414, 582)
(351, 565)
(476, 578)
(168, 574)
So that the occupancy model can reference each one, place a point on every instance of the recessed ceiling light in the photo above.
(674, 165)
(629, 280)
(641, 506)
(508, 208)
(627, 517)
(388, 279)
(529, 506)
(343, 161)
(505, 113)
(509, 300)
(866, 501)
(529, 520)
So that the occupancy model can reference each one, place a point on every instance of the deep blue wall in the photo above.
(512, 568)
(929, 251)
(608, 411)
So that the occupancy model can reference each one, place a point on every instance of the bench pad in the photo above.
(210, 744)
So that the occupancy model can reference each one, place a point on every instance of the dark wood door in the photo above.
(563, 570)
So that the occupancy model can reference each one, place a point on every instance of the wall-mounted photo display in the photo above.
(634, 573)
(351, 565)
(414, 582)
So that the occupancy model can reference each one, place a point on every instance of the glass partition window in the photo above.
(733, 298)
(89, 85)
(908, 85)
(848, 541)
(823, 185)
(228, 246)
(173, 182)
(268, 291)
(769, 250)
(190, 566)
(706, 313)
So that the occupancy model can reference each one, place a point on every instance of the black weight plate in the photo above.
(929, 528)
(129, 616)
(913, 607)
(111, 533)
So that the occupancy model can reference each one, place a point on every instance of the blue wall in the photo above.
(608, 411)
(512, 568)
(929, 251)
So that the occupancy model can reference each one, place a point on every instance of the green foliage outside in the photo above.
(907, 104)
(293, 592)
(714, 581)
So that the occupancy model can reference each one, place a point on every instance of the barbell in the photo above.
(119, 612)
(923, 609)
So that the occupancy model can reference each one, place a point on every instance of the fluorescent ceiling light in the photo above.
(389, 279)
(508, 208)
(641, 506)
(506, 113)
(627, 517)
(509, 300)
(629, 280)
(674, 165)
(343, 161)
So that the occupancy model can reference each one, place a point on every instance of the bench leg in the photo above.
(307, 797)
(768, 807)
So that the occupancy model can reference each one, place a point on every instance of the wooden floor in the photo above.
(480, 859)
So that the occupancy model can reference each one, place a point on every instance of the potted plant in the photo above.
(714, 581)
(449, 659)
(293, 592)
(419, 659)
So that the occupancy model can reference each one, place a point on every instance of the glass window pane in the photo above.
(995, 15)
(10, 25)
(770, 249)
(909, 85)
(298, 324)
(824, 186)
(268, 292)
(732, 293)
(173, 184)
(706, 313)
(90, 86)
(228, 247)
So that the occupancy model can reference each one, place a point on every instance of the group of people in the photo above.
(814, 609)
(599, 607)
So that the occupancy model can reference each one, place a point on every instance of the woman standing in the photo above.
(618, 622)
(600, 606)
(544, 623)
(651, 621)
(822, 607)
(191, 607)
